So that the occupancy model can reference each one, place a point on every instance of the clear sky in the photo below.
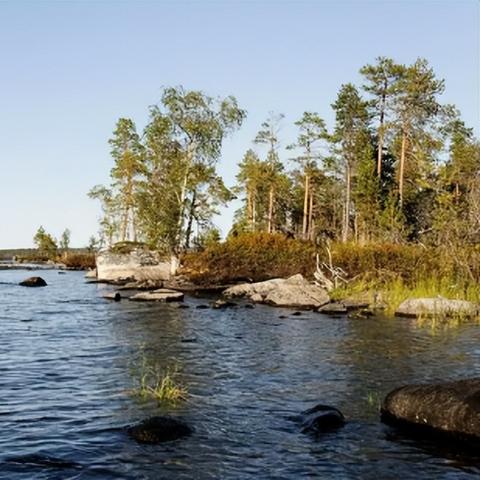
(69, 70)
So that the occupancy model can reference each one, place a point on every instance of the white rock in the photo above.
(139, 265)
(439, 306)
(295, 291)
(160, 295)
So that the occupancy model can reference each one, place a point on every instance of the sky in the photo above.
(69, 70)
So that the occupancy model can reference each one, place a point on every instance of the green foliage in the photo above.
(46, 244)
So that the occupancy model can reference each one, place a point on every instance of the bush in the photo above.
(79, 261)
(260, 256)
(250, 257)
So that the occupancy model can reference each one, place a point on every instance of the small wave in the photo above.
(39, 460)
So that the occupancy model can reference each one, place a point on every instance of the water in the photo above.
(68, 361)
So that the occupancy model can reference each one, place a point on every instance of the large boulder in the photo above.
(160, 295)
(158, 430)
(138, 265)
(34, 282)
(438, 306)
(450, 409)
(295, 291)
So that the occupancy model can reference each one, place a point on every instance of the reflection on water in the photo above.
(66, 369)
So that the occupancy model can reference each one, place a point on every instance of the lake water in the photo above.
(69, 359)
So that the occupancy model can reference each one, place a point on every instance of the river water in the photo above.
(69, 360)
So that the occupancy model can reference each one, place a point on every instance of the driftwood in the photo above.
(336, 274)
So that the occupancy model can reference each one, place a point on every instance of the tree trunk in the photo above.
(249, 209)
(310, 219)
(254, 213)
(270, 211)
(346, 220)
(402, 167)
(305, 207)
(183, 197)
(191, 213)
(381, 134)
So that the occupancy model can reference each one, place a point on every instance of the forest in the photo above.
(398, 167)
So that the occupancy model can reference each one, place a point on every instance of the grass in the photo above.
(162, 386)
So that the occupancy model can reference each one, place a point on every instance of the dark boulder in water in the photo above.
(34, 282)
(446, 410)
(321, 419)
(158, 430)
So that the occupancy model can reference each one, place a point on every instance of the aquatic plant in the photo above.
(162, 385)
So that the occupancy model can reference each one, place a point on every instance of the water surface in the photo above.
(69, 359)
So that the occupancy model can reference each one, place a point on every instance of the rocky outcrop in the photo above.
(138, 265)
(333, 308)
(34, 282)
(450, 409)
(295, 291)
(160, 295)
(439, 306)
(158, 430)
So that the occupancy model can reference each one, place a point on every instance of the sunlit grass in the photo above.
(392, 292)
(157, 384)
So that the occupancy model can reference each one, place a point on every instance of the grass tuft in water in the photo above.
(161, 385)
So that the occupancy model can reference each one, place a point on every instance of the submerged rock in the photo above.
(333, 308)
(143, 285)
(439, 306)
(34, 282)
(450, 409)
(115, 296)
(295, 291)
(160, 295)
(223, 304)
(321, 419)
(158, 430)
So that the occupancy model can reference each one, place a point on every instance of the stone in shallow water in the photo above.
(160, 295)
(438, 306)
(321, 419)
(158, 430)
(34, 282)
(333, 308)
(451, 409)
(115, 296)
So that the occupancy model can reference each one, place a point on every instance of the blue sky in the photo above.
(69, 70)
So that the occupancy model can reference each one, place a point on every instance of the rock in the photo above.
(296, 314)
(143, 285)
(61, 272)
(160, 295)
(249, 305)
(34, 282)
(295, 291)
(448, 410)
(158, 430)
(257, 298)
(183, 306)
(439, 306)
(223, 304)
(115, 296)
(202, 307)
(139, 264)
(361, 314)
(91, 274)
(321, 419)
(333, 308)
